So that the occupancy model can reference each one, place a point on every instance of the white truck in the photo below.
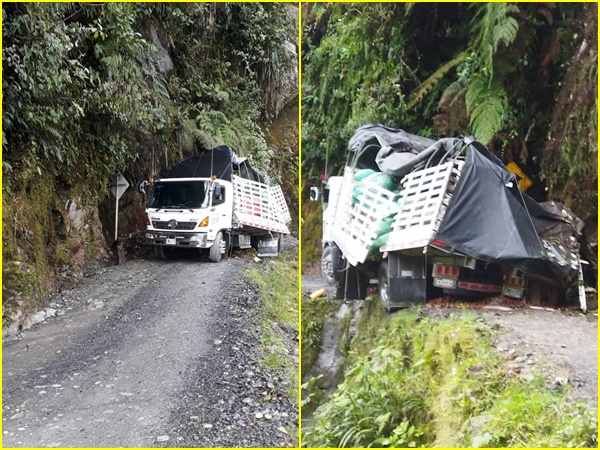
(427, 218)
(216, 201)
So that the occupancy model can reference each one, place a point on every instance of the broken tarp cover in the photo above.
(400, 151)
(487, 218)
(375, 133)
(219, 161)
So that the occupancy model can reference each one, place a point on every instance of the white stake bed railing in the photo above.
(424, 200)
(355, 227)
(260, 206)
(418, 208)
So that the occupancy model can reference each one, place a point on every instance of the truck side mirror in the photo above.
(142, 190)
(314, 193)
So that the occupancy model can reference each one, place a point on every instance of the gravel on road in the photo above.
(146, 354)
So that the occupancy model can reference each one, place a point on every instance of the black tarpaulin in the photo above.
(400, 152)
(217, 161)
(487, 218)
(220, 161)
(399, 163)
(376, 133)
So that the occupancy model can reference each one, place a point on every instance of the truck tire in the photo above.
(161, 252)
(384, 286)
(330, 262)
(352, 284)
(217, 249)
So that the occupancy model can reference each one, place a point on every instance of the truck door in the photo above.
(222, 206)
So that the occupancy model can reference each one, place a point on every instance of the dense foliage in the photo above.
(94, 88)
(521, 77)
(422, 382)
(83, 88)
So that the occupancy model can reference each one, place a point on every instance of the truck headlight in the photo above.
(150, 236)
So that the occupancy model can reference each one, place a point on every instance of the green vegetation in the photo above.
(416, 381)
(90, 89)
(314, 313)
(277, 281)
(521, 77)
(312, 218)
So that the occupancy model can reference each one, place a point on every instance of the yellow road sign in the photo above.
(524, 181)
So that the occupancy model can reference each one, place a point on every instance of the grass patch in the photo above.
(416, 381)
(277, 281)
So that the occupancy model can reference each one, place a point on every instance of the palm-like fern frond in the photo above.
(426, 86)
(452, 92)
(494, 26)
(486, 105)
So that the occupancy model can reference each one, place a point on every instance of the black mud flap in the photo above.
(268, 245)
(407, 280)
(352, 284)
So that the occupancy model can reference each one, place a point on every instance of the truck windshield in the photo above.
(179, 194)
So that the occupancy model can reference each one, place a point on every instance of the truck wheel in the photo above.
(280, 243)
(352, 284)
(161, 252)
(384, 286)
(328, 265)
(218, 248)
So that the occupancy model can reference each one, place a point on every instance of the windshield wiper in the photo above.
(185, 206)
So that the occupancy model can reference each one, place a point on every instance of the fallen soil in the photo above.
(147, 354)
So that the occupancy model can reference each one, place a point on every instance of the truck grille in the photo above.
(164, 225)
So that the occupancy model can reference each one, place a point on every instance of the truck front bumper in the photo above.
(174, 239)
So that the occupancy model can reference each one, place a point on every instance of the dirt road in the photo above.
(562, 346)
(146, 354)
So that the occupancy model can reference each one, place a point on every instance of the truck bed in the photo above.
(418, 208)
(257, 205)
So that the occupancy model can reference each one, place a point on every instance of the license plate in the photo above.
(444, 283)
(171, 241)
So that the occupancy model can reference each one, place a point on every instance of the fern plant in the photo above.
(486, 106)
(426, 86)
(494, 26)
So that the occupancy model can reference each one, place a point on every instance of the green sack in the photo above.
(362, 174)
(386, 225)
(381, 179)
(380, 241)
(369, 176)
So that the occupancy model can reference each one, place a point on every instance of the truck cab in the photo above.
(190, 212)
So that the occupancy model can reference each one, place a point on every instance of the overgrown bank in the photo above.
(415, 379)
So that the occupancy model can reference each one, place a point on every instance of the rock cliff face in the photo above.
(151, 84)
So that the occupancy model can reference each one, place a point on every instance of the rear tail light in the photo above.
(438, 243)
(445, 271)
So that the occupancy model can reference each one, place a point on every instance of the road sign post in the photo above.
(118, 185)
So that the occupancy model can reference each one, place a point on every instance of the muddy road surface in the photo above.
(147, 354)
